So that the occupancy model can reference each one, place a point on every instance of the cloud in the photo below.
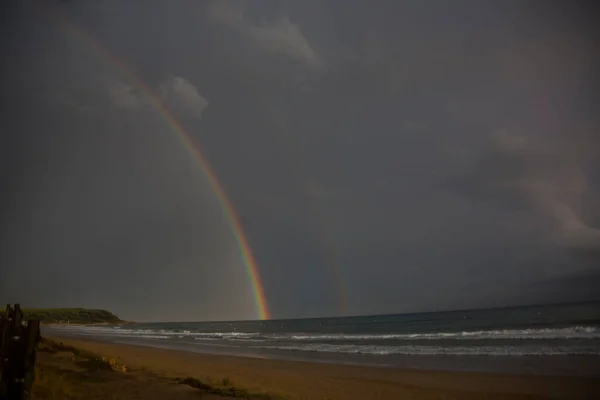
(179, 94)
(547, 175)
(123, 96)
(279, 36)
(183, 97)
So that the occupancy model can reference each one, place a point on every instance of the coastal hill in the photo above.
(71, 316)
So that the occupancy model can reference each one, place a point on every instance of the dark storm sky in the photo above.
(382, 156)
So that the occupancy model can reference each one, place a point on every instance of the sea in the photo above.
(548, 339)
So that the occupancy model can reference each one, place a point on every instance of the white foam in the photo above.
(576, 332)
(522, 342)
(155, 333)
(439, 350)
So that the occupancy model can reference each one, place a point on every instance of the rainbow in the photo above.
(334, 259)
(318, 208)
(192, 148)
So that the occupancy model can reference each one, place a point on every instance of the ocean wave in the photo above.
(440, 350)
(137, 335)
(574, 332)
(159, 333)
(577, 332)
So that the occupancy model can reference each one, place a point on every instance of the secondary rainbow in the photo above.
(318, 209)
(193, 149)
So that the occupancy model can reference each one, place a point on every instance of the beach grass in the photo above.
(226, 388)
(67, 372)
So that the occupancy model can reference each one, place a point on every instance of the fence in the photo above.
(18, 343)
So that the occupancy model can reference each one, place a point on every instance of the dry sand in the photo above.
(304, 380)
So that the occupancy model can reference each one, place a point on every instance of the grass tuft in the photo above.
(52, 382)
(227, 389)
(195, 383)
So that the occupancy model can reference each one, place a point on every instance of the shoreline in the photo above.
(307, 380)
(575, 365)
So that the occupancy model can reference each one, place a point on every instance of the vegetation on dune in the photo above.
(89, 360)
(67, 373)
(226, 388)
(75, 369)
(71, 315)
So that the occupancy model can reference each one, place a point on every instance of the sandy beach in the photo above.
(305, 380)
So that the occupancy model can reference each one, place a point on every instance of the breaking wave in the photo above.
(576, 332)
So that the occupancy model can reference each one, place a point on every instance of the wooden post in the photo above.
(32, 334)
(18, 316)
(18, 353)
(4, 332)
(5, 326)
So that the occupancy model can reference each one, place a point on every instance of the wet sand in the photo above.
(306, 380)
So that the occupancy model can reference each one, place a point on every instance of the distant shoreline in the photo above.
(72, 316)
(87, 324)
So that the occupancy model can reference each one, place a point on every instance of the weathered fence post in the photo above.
(17, 352)
(4, 332)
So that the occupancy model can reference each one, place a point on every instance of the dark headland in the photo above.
(71, 316)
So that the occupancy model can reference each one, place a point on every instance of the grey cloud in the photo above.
(124, 96)
(421, 157)
(279, 35)
(182, 96)
(177, 93)
(548, 175)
